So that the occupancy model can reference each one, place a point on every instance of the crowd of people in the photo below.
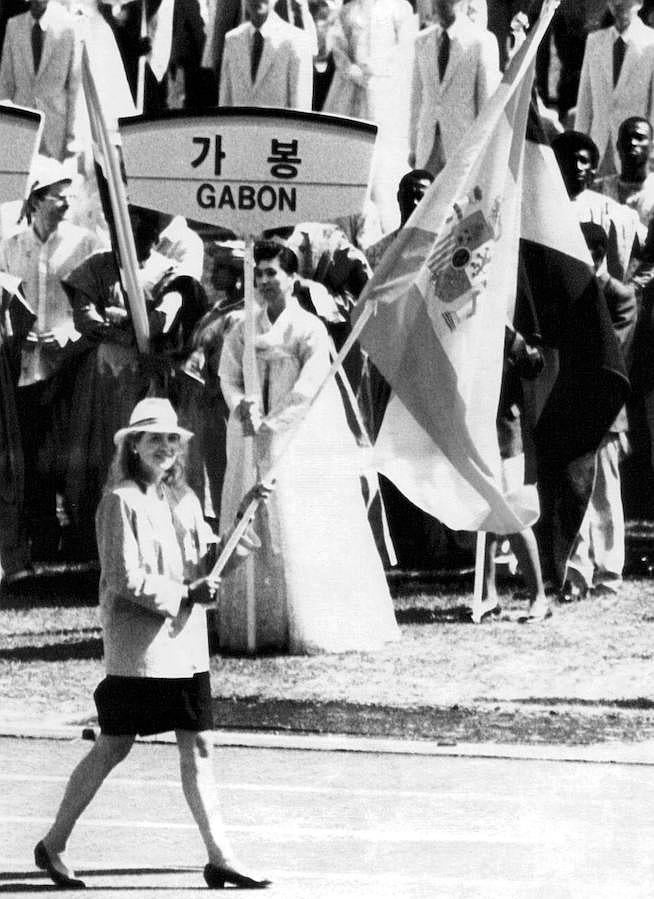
(71, 372)
(420, 71)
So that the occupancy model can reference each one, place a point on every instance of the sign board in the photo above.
(20, 136)
(248, 169)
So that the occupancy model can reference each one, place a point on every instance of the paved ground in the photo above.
(340, 824)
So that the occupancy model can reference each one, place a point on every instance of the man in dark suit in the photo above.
(173, 49)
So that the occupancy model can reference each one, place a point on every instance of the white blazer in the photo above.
(53, 89)
(601, 107)
(285, 73)
(471, 76)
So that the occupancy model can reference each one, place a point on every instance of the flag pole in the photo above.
(140, 78)
(118, 200)
(271, 475)
(364, 438)
(478, 589)
(251, 387)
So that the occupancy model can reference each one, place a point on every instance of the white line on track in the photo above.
(283, 788)
(522, 836)
(277, 788)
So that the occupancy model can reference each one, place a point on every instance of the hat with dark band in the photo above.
(155, 415)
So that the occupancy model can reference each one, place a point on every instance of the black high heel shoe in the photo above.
(216, 876)
(43, 861)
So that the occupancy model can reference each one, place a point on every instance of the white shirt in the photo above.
(627, 35)
(637, 196)
(592, 206)
(41, 266)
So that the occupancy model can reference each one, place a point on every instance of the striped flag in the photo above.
(591, 383)
(112, 188)
(441, 298)
(575, 405)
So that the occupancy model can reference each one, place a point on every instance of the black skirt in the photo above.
(153, 705)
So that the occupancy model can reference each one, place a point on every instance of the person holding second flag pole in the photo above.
(319, 583)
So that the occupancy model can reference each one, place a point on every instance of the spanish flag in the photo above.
(436, 309)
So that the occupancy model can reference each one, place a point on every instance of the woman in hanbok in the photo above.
(318, 582)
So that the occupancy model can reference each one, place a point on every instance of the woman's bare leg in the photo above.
(201, 792)
(85, 781)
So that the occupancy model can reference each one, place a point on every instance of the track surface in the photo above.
(334, 824)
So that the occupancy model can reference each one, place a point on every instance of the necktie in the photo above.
(619, 50)
(257, 49)
(443, 54)
(265, 388)
(290, 11)
(296, 9)
(37, 45)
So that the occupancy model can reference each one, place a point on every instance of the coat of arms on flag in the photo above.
(458, 262)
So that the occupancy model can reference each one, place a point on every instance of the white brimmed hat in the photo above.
(155, 415)
(47, 172)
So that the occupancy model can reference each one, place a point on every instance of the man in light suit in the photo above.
(224, 16)
(455, 70)
(266, 62)
(617, 80)
(40, 69)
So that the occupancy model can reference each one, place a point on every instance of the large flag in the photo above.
(113, 192)
(591, 382)
(441, 298)
(578, 399)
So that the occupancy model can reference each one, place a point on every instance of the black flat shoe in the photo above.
(42, 860)
(216, 876)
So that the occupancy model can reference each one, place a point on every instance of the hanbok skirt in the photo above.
(318, 581)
